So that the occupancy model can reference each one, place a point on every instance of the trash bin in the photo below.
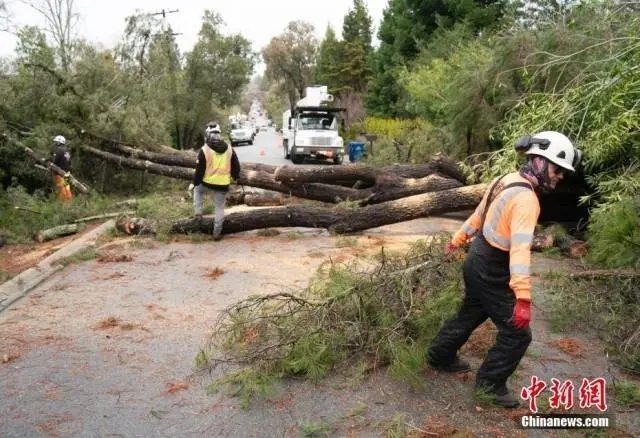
(356, 150)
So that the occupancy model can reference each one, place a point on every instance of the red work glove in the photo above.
(522, 314)
(449, 249)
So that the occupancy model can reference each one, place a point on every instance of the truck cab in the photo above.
(311, 130)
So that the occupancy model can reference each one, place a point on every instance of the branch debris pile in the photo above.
(354, 316)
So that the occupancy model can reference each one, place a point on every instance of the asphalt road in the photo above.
(267, 149)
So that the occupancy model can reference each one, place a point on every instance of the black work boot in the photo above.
(457, 366)
(499, 396)
(217, 233)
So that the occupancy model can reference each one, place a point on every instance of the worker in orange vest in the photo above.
(217, 165)
(497, 268)
(62, 159)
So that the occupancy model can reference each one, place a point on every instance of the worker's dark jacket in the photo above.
(62, 158)
(219, 146)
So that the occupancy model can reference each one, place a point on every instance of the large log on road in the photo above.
(181, 159)
(340, 220)
(370, 176)
(145, 165)
(314, 191)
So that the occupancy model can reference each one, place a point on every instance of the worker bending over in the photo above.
(497, 268)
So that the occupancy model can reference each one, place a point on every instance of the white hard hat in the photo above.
(60, 139)
(556, 148)
(212, 128)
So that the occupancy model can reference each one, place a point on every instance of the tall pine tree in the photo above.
(356, 47)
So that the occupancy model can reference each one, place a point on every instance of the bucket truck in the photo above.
(311, 129)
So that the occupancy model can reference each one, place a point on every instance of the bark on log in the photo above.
(136, 226)
(81, 187)
(437, 164)
(572, 247)
(265, 199)
(55, 232)
(182, 160)
(542, 242)
(567, 244)
(145, 165)
(351, 174)
(264, 180)
(341, 220)
(355, 174)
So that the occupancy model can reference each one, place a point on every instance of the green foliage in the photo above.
(608, 307)
(627, 393)
(405, 141)
(23, 215)
(382, 312)
(143, 92)
(290, 58)
(405, 28)
(598, 109)
(614, 233)
(451, 93)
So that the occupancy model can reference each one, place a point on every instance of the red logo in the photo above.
(592, 393)
(532, 392)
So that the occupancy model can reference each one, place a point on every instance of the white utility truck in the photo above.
(312, 129)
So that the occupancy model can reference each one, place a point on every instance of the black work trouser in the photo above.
(487, 295)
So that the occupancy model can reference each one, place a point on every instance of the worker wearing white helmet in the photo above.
(497, 268)
(62, 159)
(217, 166)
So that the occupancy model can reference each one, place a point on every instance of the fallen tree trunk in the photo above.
(396, 175)
(55, 232)
(343, 175)
(572, 247)
(136, 226)
(81, 187)
(437, 164)
(147, 166)
(264, 180)
(182, 160)
(265, 199)
(563, 241)
(341, 220)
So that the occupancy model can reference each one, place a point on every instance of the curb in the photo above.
(23, 283)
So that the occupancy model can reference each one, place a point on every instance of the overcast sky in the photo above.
(258, 20)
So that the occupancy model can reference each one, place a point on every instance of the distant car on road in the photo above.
(241, 134)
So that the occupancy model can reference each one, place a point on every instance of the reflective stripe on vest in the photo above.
(499, 203)
(218, 166)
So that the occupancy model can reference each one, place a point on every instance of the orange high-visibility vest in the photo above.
(218, 166)
(509, 225)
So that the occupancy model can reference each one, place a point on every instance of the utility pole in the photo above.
(164, 13)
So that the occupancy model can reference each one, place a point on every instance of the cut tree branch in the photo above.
(83, 188)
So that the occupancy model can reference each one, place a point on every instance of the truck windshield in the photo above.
(323, 122)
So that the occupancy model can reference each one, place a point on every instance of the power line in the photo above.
(164, 12)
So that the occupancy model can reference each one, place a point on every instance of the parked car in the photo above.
(241, 134)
